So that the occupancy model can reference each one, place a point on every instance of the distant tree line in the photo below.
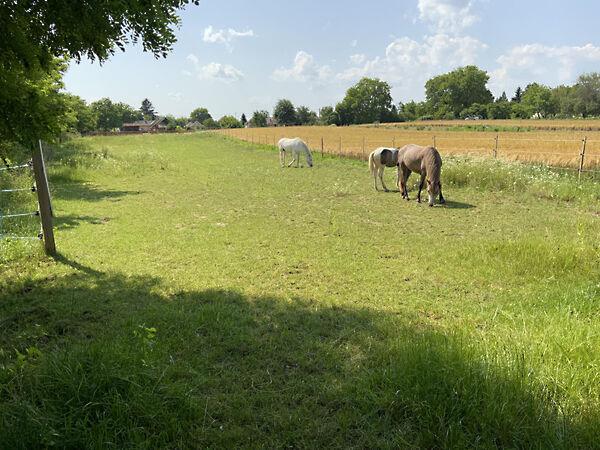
(459, 94)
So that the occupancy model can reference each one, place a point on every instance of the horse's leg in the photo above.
(442, 199)
(374, 173)
(405, 175)
(381, 178)
(294, 157)
(421, 183)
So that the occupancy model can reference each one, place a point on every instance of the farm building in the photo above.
(145, 126)
(194, 125)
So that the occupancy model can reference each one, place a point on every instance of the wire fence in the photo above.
(17, 205)
(577, 153)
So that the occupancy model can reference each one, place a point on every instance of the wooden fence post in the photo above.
(43, 193)
(393, 142)
(434, 141)
(340, 147)
(582, 158)
(322, 148)
(496, 146)
(363, 147)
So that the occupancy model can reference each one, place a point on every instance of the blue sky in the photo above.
(238, 56)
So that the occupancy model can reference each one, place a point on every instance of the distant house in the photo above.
(194, 125)
(145, 126)
(272, 122)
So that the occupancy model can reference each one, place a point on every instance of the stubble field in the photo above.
(552, 142)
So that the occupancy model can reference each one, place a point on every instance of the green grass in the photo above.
(205, 297)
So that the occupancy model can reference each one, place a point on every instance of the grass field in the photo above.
(540, 142)
(205, 297)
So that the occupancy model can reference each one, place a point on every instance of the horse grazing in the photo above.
(297, 146)
(425, 161)
(379, 159)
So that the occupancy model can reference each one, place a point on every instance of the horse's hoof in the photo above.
(431, 205)
(442, 201)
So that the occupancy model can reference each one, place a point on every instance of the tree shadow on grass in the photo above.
(67, 185)
(88, 192)
(119, 361)
(62, 222)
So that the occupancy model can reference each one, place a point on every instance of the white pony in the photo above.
(296, 146)
(379, 159)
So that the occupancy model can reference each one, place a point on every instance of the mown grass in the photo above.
(205, 297)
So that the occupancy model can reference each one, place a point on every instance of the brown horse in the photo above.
(425, 161)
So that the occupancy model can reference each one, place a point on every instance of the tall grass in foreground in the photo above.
(505, 176)
(217, 368)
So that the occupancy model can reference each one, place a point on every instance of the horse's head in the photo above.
(433, 190)
(309, 160)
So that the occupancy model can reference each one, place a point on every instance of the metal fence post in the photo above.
(582, 158)
(496, 146)
(43, 192)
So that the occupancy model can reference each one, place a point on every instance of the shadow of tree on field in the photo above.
(68, 185)
(88, 192)
(62, 222)
(121, 360)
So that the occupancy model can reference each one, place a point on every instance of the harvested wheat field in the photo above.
(553, 147)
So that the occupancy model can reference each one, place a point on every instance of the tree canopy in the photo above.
(200, 115)
(285, 113)
(451, 93)
(147, 110)
(368, 101)
(305, 116)
(259, 118)
(113, 115)
(587, 92)
(37, 36)
(229, 122)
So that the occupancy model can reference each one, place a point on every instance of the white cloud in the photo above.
(225, 37)
(354, 43)
(545, 64)
(447, 16)
(215, 71)
(176, 96)
(304, 69)
(358, 58)
(221, 72)
(193, 59)
(408, 64)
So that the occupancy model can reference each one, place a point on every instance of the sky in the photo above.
(237, 56)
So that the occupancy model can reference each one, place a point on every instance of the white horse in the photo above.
(296, 146)
(379, 159)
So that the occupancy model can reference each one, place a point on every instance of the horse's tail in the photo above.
(372, 162)
(434, 166)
